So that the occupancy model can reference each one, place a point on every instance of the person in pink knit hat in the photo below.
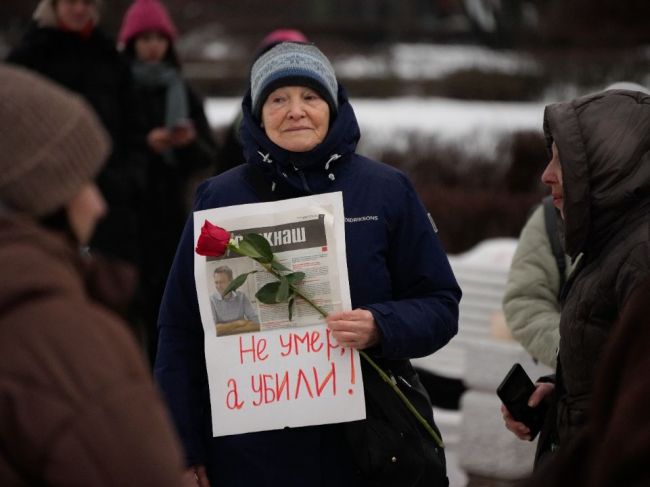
(176, 143)
(146, 15)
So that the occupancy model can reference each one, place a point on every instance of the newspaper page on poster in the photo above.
(265, 371)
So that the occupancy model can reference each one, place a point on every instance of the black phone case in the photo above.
(514, 391)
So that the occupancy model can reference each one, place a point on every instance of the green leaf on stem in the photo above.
(237, 282)
(255, 246)
(295, 277)
(268, 293)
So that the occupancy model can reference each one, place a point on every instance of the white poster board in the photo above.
(273, 372)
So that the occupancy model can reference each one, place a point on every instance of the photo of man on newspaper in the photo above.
(233, 313)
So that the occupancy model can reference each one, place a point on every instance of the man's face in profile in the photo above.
(221, 281)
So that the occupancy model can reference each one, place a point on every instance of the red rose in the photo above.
(213, 240)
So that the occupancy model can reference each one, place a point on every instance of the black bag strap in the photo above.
(550, 220)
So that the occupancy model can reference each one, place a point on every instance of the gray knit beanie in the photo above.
(292, 63)
(51, 143)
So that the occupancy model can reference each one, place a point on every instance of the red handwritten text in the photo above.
(270, 388)
(232, 398)
(257, 349)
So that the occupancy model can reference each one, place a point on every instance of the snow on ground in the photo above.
(401, 60)
(477, 127)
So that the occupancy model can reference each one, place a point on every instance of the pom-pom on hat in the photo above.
(292, 63)
(143, 16)
(52, 143)
(283, 35)
(277, 36)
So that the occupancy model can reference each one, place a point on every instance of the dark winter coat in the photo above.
(603, 142)
(166, 200)
(397, 270)
(93, 68)
(614, 447)
(77, 404)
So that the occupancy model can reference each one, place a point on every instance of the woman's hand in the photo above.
(159, 139)
(195, 476)
(183, 135)
(520, 430)
(354, 329)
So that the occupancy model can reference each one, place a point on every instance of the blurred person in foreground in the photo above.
(299, 134)
(78, 406)
(175, 142)
(599, 177)
(66, 44)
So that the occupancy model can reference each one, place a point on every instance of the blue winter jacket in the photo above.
(397, 269)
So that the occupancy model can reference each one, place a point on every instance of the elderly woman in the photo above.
(299, 134)
(598, 175)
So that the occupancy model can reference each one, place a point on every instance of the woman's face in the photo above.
(552, 176)
(75, 14)
(151, 47)
(84, 210)
(296, 118)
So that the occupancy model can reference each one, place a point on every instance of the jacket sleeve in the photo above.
(423, 315)
(81, 408)
(180, 369)
(530, 302)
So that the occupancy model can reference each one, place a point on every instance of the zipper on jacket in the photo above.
(305, 185)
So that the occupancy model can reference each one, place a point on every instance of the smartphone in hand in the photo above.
(514, 391)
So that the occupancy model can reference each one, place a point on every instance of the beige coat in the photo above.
(530, 303)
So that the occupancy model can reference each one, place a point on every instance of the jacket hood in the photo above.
(604, 145)
(35, 262)
(303, 173)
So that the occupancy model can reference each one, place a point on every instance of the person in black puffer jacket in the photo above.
(600, 185)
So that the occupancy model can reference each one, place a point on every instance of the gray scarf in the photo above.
(176, 108)
(164, 75)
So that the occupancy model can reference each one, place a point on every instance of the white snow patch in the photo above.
(216, 50)
(432, 61)
(476, 127)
